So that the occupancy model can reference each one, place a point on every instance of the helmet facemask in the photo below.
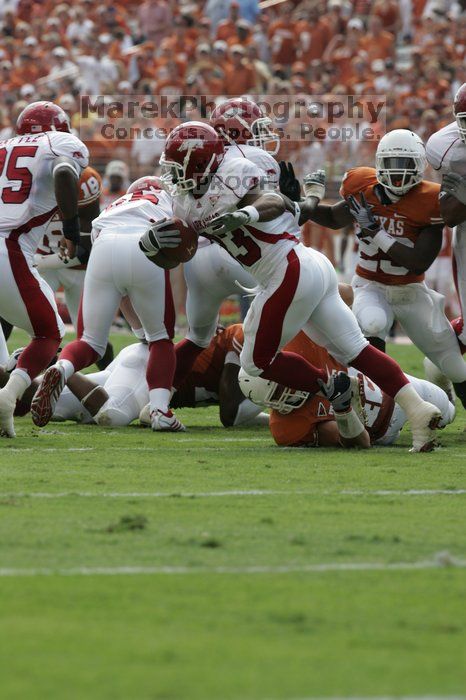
(174, 175)
(399, 172)
(461, 122)
(264, 137)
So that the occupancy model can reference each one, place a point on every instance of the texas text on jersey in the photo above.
(249, 245)
(404, 219)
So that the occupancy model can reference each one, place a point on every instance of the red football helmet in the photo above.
(151, 182)
(459, 110)
(42, 116)
(192, 152)
(242, 121)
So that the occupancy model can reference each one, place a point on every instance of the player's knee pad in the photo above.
(373, 322)
(201, 335)
(451, 364)
(112, 416)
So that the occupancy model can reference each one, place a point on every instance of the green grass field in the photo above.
(212, 565)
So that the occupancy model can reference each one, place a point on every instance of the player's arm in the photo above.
(65, 179)
(329, 436)
(416, 259)
(234, 408)
(91, 395)
(332, 216)
(452, 199)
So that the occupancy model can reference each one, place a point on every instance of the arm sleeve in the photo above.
(70, 147)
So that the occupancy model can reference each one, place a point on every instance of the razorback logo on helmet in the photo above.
(189, 144)
(77, 154)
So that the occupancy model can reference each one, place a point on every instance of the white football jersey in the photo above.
(257, 247)
(446, 152)
(27, 196)
(133, 213)
(264, 161)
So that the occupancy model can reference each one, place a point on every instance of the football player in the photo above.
(297, 286)
(39, 171)
(117, 268)
(117, 396)
(400, 235)
(57, 270)
(368, 417)
(212, 274)
(446, 153)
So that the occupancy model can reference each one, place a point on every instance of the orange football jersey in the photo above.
(208, 367)
(300, 426)
(404, 219)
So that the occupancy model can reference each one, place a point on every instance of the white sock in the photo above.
(18, 383)
(159, 399)
(408, 399)
(68, 368)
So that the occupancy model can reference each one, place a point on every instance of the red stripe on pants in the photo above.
(273, 314)
(38, 307)
(169, 316)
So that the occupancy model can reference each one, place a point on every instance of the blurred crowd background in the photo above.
(410, 51)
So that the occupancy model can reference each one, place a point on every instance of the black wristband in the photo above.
(82, 254)
(71, 229)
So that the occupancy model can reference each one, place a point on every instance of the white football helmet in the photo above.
(265, 392)
(400, 160)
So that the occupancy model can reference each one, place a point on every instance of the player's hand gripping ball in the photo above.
(169, 242)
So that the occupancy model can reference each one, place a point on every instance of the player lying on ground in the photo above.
(446, 153)
(366, 416)
(297, 286)
(118, 268)
(39, 172)
(117, 396)
(400, 235)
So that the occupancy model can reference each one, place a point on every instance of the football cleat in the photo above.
(46, 397)
(144, 415)
(7, 409)
(165, 422)
(423, 423)
(337, 390)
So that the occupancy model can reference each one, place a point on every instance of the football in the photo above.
(171, 257)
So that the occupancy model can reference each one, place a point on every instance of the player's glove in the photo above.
(289, 183)
(314, 184)
(160, 235)
(362, 213)
(232, 220)
(454, 184)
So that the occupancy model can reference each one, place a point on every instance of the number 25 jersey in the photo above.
(27, 196)
(404, 220)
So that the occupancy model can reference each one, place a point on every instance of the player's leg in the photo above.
(276, 315)
(373, 312)
(334, 326)
(73, 285)
(151, 297)
(4, 354)
(126, 387)
(26, 301)
(425, 323)
(459, 269)
(101, 299)
(210, 276)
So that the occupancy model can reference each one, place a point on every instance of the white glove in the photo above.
(229, 222)
(53, 262)
(314, 184)
(454, 184)
(362, 213)
(160, 235)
